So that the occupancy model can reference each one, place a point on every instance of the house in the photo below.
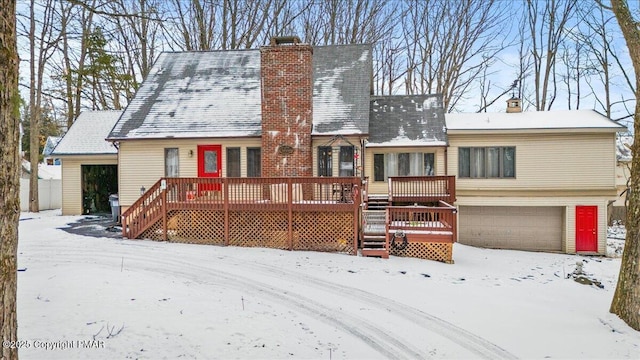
(89, 163)
(533, 180)
(49, 145)
(618, 209)
(269, 147)
(236, 114)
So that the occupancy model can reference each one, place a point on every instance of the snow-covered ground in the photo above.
(105, 298)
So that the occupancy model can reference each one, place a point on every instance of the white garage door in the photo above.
(534, 228)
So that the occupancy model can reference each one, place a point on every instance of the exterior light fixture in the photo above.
(142, 190)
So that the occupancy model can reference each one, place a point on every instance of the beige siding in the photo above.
(72, 180)
(336, 153)
(545, 161)
(141, 162)
(568, 203)
(622, 175)
(381, 187)
(537, 228)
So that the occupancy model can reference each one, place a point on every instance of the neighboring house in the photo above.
(238, 114)
(618, 210)
(89, 164)
(51, 143)
(533, 180)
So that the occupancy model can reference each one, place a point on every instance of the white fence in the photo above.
(49, 194)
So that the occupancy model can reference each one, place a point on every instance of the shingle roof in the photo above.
(341, 88)
(531, 120)
(87, 134)
(196, 94)
(411, 120)
(51, 143)
(217, 94)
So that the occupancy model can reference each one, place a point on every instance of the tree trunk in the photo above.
(9, 175)
(626, 299)
(34, 117)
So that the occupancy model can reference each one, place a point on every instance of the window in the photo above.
(402, 164)
(378, 167)
(487, 162)
(233, 162)
(346, 161)
(325, 167)
(254, 168)
(171, 162)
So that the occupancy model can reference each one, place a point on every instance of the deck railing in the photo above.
(423, 223)
(288, 195)
(421, 189)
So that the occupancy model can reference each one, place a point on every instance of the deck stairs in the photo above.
(377, 202)
(374, 239)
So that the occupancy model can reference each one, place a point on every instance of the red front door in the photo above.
(587, 228)
(209, 165)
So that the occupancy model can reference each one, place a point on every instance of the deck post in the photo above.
(164, 207)
(290, 208)
(356, 215)
(225, 186)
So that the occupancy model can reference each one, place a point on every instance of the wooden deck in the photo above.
(290, 213)
(306, 213)
(415, 218)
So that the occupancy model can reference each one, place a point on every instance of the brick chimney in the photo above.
(514, 105)
(287, 100)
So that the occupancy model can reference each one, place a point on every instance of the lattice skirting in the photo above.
(427, 250)
(324, 231)
(315, 231)
(258, 229)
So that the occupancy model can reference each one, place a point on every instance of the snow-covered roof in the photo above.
(411, 120)
(87, 134)
(196, 94)
(51, 143)
(218, 94)
(44, 171)
(341, 88)
(531, 120)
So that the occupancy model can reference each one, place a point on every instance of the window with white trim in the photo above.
(487, 162)
(171, 162)
(402, 164)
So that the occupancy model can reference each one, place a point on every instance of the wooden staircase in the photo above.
(374, 238)
(377, 202)
(144, 213)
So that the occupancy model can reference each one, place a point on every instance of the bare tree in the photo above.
(626, 299)
(332, 22)
(449, 44)
(9, 176)
(42, 41)
(605, 69)
(546, 22)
